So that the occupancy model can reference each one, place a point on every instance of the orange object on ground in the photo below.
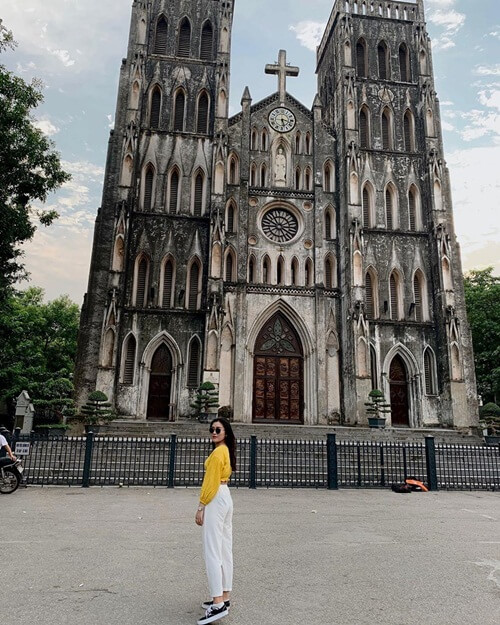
(412, 482)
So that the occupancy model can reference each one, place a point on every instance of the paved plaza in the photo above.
(133, 556)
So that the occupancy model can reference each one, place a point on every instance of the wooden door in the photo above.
(398, 380)
(278, 394)
(160, 384)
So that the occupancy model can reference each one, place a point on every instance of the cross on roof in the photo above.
(282, 70)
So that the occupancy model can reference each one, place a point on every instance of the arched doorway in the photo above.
(160, 385)
(398, 380)
(278, 381)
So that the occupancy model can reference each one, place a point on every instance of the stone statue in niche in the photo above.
(280, 168)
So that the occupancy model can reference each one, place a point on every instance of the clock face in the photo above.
(282, 120)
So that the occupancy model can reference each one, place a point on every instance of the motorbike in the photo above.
(11, 472)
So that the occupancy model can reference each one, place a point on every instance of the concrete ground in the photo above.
(133, 556)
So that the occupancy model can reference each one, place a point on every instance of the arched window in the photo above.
(364, 127)
(230, 218)
(199, 184)
(194, 286)
(108, 348)
(207, 42)
(295, 272)
(404, 63)
(233, 170)
(129, 360)
(423, 62)
(168, 284)
(127, 170)
(173, 191)
(280, 271)
(419, 296)
(429, 123)
(309, 273)
(251, 269)
(361, 58)
(373, 368)
(391, 207)
(328, 182)
(230, 267)
(149, 180)
(367, 206)
(329, 273)
(298, 176)
(253, 175)
(371, 289)
(118, 254)
(194, 361)
(266, 270)
(308, 179)
(202, 115)
(438, 196)
(456, 369)
(254, 140)
(141, 282)
(383, 60)
(387, 143)
(134, 96)
(161, 37)
(328, 224)
(264, 141)
(308, 143)
(409, 132)
(184, 42)
(396, 296)
(155, 110)
(414, 209)
(430, 372)
(263, 175)
(298, 141)
(179, 106)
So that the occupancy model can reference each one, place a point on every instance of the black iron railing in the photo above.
(174, 461)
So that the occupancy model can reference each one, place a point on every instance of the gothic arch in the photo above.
(404, 63)
(166, 294)
(391, 207)
(420, 297)
(266, 270)
(414, 209)
(202, 112)
(219, 178)
(328, 177)
(252, 268)
(174, 190)
(365, 127)
(409, 131)
(179, 109)
(207, 41)
(108, 348)
(148, 192)
(368, 211)
(194, 282)
(233, 169)
(231, 219)
(330, 228)
(129, 359)
(216, 260)
(184, 38)
(161, 36)
(127, 171)
(119, 253)
(308, 347)
(198, 193)
(155, 106)
(142, 279)
(294, 272)
(387, 125)
(430, 372)
(413, 379)
(230, 266)
(361, 58)
(135, 94)
(371, 293)
(396, 295)
(357, 263)
(383, 60)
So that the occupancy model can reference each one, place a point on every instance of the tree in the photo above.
(38, 349)
(482, 297)
(29, 169)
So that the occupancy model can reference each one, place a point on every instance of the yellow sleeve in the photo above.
(212, 479)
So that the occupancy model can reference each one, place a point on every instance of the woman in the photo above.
(215, 514)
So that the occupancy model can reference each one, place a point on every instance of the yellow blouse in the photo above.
(217, 470)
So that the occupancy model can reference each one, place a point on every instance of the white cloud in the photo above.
(63, 56)
(46, 126)
(488, 70)
(476, 188)
(451, 21)
(309, 33)
(491, 99)
(447, 126)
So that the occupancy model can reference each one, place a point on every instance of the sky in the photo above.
(75, 47)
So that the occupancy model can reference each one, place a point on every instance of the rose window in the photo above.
(280, 225)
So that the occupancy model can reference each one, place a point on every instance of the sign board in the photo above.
(22, 449)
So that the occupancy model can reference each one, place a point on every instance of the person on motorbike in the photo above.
(5, 445)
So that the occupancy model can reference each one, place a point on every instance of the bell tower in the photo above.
(143, 321)
(404, 322)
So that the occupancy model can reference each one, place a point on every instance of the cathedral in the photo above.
(295, 257)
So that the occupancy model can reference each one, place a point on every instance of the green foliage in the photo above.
(206, 397)
(96, 410)
(38, 351)
(376, 406)
(490, 418)
(30, 169)
(482, 297)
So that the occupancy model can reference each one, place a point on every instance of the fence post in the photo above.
(89, 444)
(171, 467)
(430, 459)
(253, 462)
(332, 462)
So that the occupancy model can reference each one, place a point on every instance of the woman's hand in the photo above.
(200, 514)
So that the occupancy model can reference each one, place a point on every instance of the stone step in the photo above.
(134, 428)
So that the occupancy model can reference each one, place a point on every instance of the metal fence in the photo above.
(173, 461)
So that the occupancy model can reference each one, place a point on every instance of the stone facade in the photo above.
(296, 258)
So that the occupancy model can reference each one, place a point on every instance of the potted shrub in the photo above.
(489, 420)
(52, 429)
(206, 398)
(96, 411)
(376, 408)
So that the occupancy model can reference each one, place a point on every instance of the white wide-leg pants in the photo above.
(218, 542)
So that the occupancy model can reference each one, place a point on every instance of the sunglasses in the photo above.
(215, 430)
